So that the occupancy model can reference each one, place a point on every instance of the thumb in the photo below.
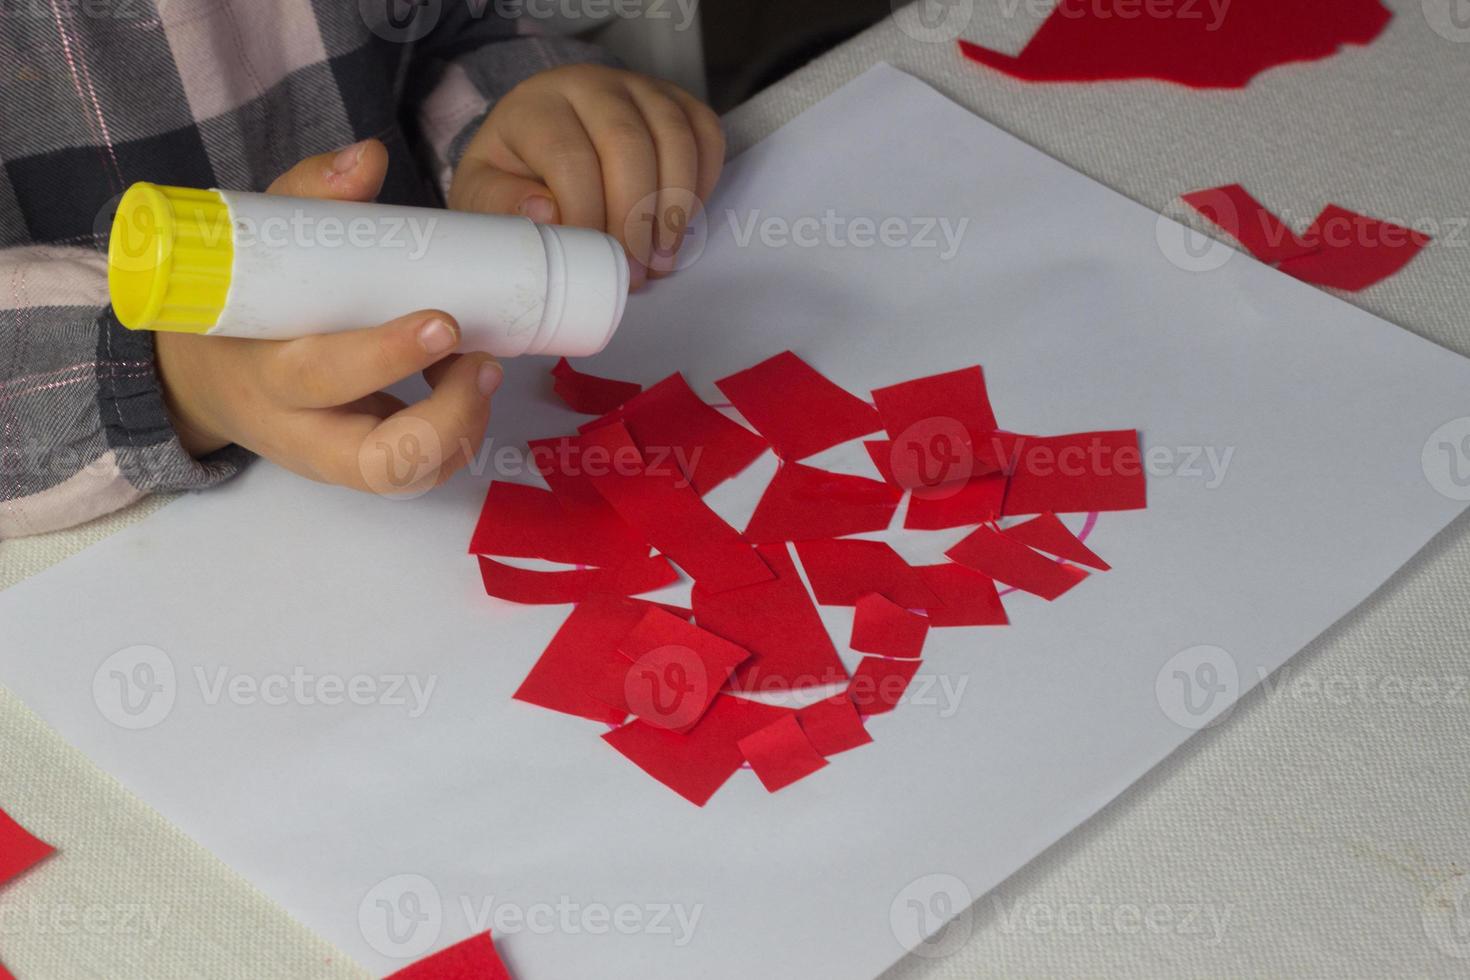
(352, 174)
(484, 188)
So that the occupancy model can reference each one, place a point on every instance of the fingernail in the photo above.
(491, 374)
(347, 160)
(539, 209)
(637, 275)
(436, 337)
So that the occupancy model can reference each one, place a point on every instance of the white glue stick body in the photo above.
(261, 266)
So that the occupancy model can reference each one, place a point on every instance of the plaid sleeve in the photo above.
(463, 67)
(83, 429)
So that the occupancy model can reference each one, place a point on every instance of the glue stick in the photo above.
(236, 264)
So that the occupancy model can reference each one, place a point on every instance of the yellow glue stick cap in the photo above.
(169, 258)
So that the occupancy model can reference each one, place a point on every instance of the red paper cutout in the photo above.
(533, 587)
(1084, 471)
(966, 598)
(1084, 41)
(780, 754)
(937, 428)
(660, 505)
(883, 628)
(19, 849)
(589, 394)
(675, 670)
(975, 501)
(803, 502)
(1341, 250)
(842, 572)
(776, 621)
(473, 959)
(1047, 533)
(879, 682)
(583, 651)
(798, 410)
(697, 764)
(833, 725)
(674, 427)
(593, 530)
(991, 553)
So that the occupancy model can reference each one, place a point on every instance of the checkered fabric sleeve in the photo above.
(204, 93)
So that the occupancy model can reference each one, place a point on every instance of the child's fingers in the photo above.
(325, 370)
(354, 173)
(678, 173)
(487, 189)
(629, 160)
(708, 133)
(550, 139)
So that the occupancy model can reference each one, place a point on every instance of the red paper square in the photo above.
(802, 502)
(966, 598)
(975, 501)
(1084, 471)
(587, 393)
(798, 410)
(991, 553)
(473, 959)
(883, 628)
(842, 572)
(780, 754)
(879, 683)
(581, 653)
(675, 670)
(833, 725)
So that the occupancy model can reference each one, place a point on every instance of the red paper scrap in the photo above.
(780, 754)
(696, 764)
(883, 628)
(675, 670)
(879, 682)
(842, 572)
(977, 500)
(594, 532)
(532, 587)
(991, 553)
(1047, 533)
(676, 429)
(587, 393)
(833, 725)
(966, 598)
(803, 502)
(936, 427)
(527, 522)
(670, 515)
(473, 959)
(19, 849)
(1077, 473)
(1085, 41)
(1341, 250)
(776, 621)
(583, 651)
(1259, 231)
(798, 410)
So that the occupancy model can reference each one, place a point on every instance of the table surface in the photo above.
(1320, 831)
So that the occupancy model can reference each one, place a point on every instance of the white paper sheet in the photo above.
(394, 834)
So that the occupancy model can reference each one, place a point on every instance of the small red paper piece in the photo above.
(594, 532)
(667, 512)
(587, 393)
(780, 754)
(966, 598)
(776, 621)
(675, 670)
(879, 682)
(696, 764)
(977, 500)
(1047, 533)
(833, 725)
(532, 587)
(842, 572)
(1076, 473)
(804, 502)
(991, 553)
(937, 428)
(883, 628)
(674, 427)
(473, 959)
(1341, 250)
(798, 410)
(19, 849)
(583, 651)
(1084, 41)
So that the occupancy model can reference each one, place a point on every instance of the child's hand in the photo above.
(315, 405)
(600, 148)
